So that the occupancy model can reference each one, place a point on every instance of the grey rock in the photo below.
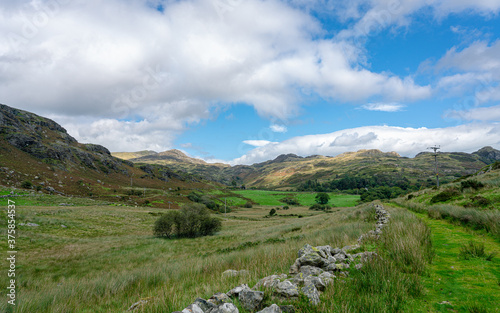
(230, 273)
(219, 299)
(270, 281)
(251, 299)
(326, 250)
(236, 290)
(32, 224)
(193, 308)
(316, 281)
(287, 289)
(294, 269)
(271, 309)
(308, 270)
(312, 293)
(204, 304)
(225, 308)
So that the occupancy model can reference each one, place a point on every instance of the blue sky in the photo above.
(243, 81)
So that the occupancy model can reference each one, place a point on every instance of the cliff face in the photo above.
(48, 141)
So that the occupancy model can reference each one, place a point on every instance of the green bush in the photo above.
(248, 205)
(191, 221)
(471, 183)
(290, 200)
(445, 195)
(272, 212)
(319, 207)
(26, 184)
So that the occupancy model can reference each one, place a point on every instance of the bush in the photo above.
(480, 201)
(26, 184)
(286, 207)
(272, 212)
(290, 201)
(191, 221)
(471, 183)
(248, 205)
(319, 207)
(445, 195)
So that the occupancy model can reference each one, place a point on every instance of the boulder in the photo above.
(270, 281)
(219, 299)
(271, 309)
(308, 270)
(316, 281)
(287, 289)
(193, 308)
(236, 290)
(312, 293)
(294, 269)
(226, 308)
(204, 304)
(251, 299)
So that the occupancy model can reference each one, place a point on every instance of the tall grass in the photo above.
(391, 282)
(468, 217)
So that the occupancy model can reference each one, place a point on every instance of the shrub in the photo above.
(191, 221)
(445, 195)
(319, 207)
(290, 201)
(272, 212)
(26, 184)
(471, 183)
(286, 207)
(480, 201)
(248, 205)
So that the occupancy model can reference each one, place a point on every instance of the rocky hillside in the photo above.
(39, 154)
(291, 171)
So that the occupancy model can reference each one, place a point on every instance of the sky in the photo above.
(243, 81)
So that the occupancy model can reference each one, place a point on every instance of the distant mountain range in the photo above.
(37, 150)
(289, 171)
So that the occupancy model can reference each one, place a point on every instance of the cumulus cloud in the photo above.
(405, 141)
(126, 65)
(476, 68)
(384, 107)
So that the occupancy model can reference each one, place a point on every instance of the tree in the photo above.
(322, 198)
(272, 212)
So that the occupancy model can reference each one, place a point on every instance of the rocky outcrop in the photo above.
(314, 269)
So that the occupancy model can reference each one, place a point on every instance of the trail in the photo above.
(457, 285)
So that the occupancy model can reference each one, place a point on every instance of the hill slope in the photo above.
(37, 153)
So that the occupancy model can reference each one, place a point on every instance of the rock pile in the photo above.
(314, 269)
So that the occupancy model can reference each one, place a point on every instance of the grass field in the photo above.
(105, 258)
(264, 197)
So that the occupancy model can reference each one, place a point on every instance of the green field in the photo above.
(104, 258)
(264, 197)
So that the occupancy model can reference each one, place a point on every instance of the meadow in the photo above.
(92, 257)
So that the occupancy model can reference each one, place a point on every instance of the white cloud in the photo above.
(258, 143)
(278, 128)
(405, 141)
(384, 107)
(476, 114)
(123, 60)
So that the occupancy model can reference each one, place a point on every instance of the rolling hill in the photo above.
(291, 171)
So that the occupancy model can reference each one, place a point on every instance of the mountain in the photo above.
(133, 155)
(37, 152)
(290, 171)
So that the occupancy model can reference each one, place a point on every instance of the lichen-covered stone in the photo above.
(251, 299)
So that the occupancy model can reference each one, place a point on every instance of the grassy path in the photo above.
(458, 285)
